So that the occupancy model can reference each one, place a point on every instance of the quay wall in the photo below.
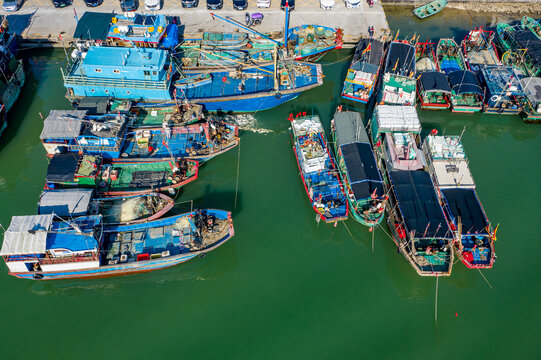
(41, 25)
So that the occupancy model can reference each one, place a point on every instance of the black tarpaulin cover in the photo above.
(362, 171)
(372, 56)
(93, 26)
(147, 178)
(464, 81)
(401, 59)
(62, 167)
(419, 204)
(434, 81)
(527, 40)
(464, 203)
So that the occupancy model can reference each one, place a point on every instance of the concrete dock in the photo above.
(42, 25)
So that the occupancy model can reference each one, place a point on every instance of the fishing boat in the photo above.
(110, 137)
(44, 247)
(467, 94)
(147, 76)
(526, 46)
(398, 83)
(118, 178)
(125, 30)
(503, 91)
(317, 168)
(132, 209)
(358, 170)
(12, 70)
(531, 103)
(433, 88)
(450, 56)
(479, 49)
(362, 74)
(193, 81)
(448, 166)
(430, 9)
(418, 225)
(533, 25)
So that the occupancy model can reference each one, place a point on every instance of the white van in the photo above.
(153, 4)
(352, 4)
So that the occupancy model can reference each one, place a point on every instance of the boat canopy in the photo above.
(26, 235)
(395, 118)
(62, 167)
(465, 204)
(65, 202)
(532, 87)
(501, 81)
(94, 105)
(434, 81)
(171, 38)
(74, 235)
(367, 60)
(349, 128)
(401, 59)
(465, 82)
(63, 124)
(362, 170)
(419, 204)
(527, 40)
(93, 26)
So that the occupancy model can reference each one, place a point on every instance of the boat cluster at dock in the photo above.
(141, 128)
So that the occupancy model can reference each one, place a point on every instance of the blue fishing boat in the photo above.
(318, 171)
(110, 137)
(503, 90)
(362, 74)
(128, 30)
(44, 247)
(146, 75)
(127, 209)
(358, 169)
(448, 166)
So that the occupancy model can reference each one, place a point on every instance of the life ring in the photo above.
(321, 210)
(495, 98)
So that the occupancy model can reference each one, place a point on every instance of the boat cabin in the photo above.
(119, 72)
(66, 202)
(38, 243)
(531, 103)
(447, 162)
(396, 132)
(503, 90)
(76, 131)
(466, 92)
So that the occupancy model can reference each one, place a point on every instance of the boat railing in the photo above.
(93, 148)
(68, 259)
(116, 83)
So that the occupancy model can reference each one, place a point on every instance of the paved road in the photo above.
(38, 19)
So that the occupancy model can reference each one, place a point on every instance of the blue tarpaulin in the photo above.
(170, 40)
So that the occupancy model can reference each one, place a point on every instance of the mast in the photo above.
(275, 54)
(286, 30)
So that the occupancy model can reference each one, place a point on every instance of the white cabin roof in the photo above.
(453, 174)
(26, 235)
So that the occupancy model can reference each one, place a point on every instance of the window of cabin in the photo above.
(128, 92)
(107, 91)
(154, 73)
(147, 72)
(116, 71)
(98, 70)
(92, 90)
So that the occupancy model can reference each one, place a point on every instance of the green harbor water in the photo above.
(285, 287)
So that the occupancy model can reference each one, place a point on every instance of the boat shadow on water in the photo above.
(211, 199)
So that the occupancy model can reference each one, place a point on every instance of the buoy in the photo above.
(115, 30)
(114, 20)
(150, 29)
(160, 28)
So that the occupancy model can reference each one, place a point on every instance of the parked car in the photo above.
(327, 4)
(12, 5)
(291, 4)
(189, 3)
(153, 4)
(61, 3)
(240, 4)
(215, 4)
(263, 3)
(351, 4)
(93, 3)
(128, 5)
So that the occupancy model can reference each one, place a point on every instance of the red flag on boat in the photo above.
(304, 113)
(434, 132)
(290, 118)
(368, 48)
(378, 144)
